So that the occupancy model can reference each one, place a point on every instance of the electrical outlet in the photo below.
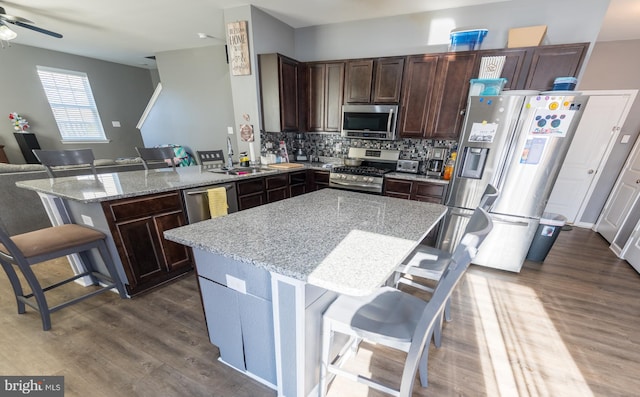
(230, 130)
(338, 147)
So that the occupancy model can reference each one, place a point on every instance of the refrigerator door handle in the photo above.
(510, 220)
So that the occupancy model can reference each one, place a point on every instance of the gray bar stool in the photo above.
(27, 249)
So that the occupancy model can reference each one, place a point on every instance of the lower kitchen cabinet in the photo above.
(318, 180)
(137, 225)
(419, 191)
(297, 183)
(250, 193)
(415, 190)
(277, 187)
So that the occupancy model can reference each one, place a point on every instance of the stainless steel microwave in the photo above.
(370, 121)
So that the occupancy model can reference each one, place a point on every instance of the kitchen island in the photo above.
(267, 274)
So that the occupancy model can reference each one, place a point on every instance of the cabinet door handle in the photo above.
(591, 172)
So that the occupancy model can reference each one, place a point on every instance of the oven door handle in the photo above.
(352, 184)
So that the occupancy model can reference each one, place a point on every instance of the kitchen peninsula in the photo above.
(266, 274)
(133, 208)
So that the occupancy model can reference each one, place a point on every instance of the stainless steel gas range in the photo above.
(369, 175)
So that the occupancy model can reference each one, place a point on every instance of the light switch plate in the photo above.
(115, 123)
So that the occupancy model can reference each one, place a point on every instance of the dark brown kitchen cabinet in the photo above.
(415, 190)
(298, 183)
(318, 180)
(419, 191)
(373, 80)
(434, 95)
(137, 225)
(397, 188)
(549, 62)
(281, 92)
(358, 81)
(514, 69)
(451, 93)
(325, 89)
(276, 187)
(417, 95)
(251, 193)
(535, 68)
(387, 81)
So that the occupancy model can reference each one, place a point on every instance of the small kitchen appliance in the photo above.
(410, 166)
(300, 153)
(369, 175)
(435, 164)
(369, 121)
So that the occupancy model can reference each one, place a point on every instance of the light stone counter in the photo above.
(339, 240)
(111, 186)
(267, 274)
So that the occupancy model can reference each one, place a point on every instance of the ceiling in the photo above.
(127, 31)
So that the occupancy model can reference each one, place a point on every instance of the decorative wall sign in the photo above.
(238, 42)
(246, 132)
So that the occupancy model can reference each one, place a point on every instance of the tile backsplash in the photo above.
(334, 145)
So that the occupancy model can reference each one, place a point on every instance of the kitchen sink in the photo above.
(240, 171)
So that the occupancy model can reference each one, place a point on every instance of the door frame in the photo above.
(605, 157)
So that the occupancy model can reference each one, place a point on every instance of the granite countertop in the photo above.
(339, 240)
(110, 186)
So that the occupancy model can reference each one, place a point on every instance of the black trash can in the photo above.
(547, 233)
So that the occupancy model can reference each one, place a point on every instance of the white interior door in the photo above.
(598, 130)
(632, 249)
(621, 200)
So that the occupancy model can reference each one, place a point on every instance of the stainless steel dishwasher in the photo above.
(196, 201)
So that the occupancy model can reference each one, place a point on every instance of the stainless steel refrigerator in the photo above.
(518, 144)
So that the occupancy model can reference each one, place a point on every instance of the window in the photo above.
(71, 100)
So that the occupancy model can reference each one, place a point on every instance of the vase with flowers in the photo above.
(20, 124)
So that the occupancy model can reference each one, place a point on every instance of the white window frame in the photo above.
(72, 104)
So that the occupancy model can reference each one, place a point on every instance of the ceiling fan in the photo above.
(8, 34)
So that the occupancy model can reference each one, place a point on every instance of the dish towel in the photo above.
(217, 201)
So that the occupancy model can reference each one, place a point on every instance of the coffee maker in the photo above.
(435, 163)
(300, 152)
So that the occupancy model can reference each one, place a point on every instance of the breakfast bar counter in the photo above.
(266, 274)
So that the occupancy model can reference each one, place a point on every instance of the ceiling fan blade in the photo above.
(37, 29)
(12, 18)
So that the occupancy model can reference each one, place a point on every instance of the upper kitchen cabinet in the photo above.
(373, 80)
(434, 95)
(535, 68)
(417, 95)
(452, 90)
(514, 65)
(325, 89)
(280, 93)
(549, 62)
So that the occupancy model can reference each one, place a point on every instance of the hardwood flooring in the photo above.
(567, 327)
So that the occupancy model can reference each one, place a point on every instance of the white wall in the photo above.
(568, 21)
(266, 35)
(194, 107)
(121, 93)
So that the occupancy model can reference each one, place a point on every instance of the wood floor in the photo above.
(568, 327)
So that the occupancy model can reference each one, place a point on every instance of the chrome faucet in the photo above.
(229, 154)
